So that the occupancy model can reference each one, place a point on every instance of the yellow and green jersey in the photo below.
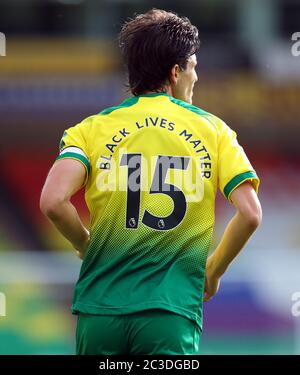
(153, 167)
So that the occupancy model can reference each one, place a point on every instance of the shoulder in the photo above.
(85, 125)
(125, 104)
(213, 120)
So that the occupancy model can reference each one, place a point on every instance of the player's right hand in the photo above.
(212, 281)
(81, 250)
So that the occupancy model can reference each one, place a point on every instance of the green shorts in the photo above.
(150, 332)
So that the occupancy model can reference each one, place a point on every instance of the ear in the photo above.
(174, 74)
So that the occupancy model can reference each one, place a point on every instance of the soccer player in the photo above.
(151, 167)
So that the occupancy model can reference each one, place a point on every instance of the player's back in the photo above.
(153, 167)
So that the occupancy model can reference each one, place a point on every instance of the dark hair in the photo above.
(152, 43)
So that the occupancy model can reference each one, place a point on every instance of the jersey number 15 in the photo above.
(158, 186)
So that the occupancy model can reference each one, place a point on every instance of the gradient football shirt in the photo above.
(153, 167)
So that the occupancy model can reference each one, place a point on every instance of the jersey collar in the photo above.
(152, 94)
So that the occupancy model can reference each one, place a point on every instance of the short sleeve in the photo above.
(234, 168)
(73, 145)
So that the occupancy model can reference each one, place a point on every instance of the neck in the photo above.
(166, 89)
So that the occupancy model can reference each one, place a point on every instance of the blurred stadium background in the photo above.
(62, 64)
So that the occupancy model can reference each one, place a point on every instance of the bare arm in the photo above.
(245, 221)
(65, 178)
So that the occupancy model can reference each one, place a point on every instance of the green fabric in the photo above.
(151, 332)
(190, 107)
(127, 103)
(134, 99)
(73, 155)
(237, 180)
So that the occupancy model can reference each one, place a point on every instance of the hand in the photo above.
(81, 249)
(212, 281)
(80, 254)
